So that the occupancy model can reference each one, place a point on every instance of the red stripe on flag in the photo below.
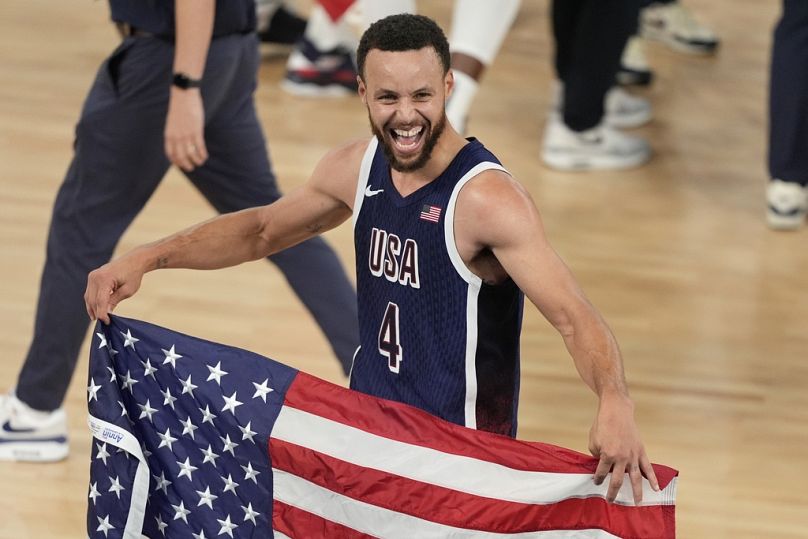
(413, 426)
(299, 524)
(467, 511)
(336, 8)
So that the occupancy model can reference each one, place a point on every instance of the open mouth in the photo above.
(407, 141)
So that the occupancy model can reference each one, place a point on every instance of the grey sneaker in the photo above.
(675, 26)
(600, 148)
(787, 205)
(29, 435)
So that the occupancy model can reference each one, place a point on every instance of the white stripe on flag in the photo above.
(381, 522)
(464, 474)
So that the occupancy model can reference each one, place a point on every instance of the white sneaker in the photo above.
(787, 205)
(675, 26)
(600, 148)
(620, 108)
(29, 435)
(634, 69)
(624, 110)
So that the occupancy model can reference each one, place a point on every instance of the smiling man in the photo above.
(447, 243)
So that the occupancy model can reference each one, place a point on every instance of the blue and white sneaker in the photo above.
(787, 205)
(29, 435)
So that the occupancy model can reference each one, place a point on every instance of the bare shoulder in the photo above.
(337, 172)
(494, 205)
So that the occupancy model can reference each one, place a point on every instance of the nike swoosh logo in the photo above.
(8, 428)
(371, 193)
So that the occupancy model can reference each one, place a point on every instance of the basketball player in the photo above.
(446, 241)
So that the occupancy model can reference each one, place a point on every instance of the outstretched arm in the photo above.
(507, 222)
(228, 240)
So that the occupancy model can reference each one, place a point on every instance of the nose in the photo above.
(406, 112)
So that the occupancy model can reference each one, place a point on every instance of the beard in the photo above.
(432, 135)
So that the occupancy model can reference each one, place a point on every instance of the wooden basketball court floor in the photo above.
(710, 307)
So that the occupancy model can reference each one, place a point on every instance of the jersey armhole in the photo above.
(448, 223)
(362, 180)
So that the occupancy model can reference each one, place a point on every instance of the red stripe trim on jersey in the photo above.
(408, 424)
(299, 524)
(467, 511)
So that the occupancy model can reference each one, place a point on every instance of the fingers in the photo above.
(618, 472)
(603, 469)
(636, 482)
(648, 471)
(186, 153)
(97, 297)
(618, 469)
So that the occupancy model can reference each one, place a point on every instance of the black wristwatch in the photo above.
(181, 80)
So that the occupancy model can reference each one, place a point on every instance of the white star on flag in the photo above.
(250, 473)
(230, 403)
(102, 453)
(207, 415)
(128, 340)
(171, 356)
(249, 514)
(188, 427)
(116, 487)
(92, 391)
(188, 386)
(210, 456)
(94, 492)
(161, 525)
(262, 389)
(229, 484)
(246, 432)
(186, 468)
(105, 526)
(149, 369)
(206, 498)
(128, 381)
(227, 526)
(216, 373)
(181, 512)
(228, 445)
(112, 376)
(162, 483)
(103, 340)
(168, 398)
(166, 439)
(146, 410)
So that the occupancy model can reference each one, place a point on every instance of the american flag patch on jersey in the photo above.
(430, 213)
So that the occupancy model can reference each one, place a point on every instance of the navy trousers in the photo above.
(590, 36)
(788, 96)
(118, 163)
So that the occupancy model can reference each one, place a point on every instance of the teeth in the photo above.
(411, 133)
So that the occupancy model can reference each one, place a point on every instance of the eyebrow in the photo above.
(382, 91)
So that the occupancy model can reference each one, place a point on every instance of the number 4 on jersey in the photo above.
(389, 343)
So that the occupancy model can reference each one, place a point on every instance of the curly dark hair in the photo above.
(404, 32)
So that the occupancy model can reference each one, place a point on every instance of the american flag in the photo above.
(201, 440)
(430, 213)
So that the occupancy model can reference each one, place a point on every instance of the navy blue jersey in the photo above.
(432, 333)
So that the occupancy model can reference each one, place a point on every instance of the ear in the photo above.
(448, 82)
(362, 90)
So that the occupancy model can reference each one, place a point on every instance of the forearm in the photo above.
(595, 351)
(194, 27)
(227, 240)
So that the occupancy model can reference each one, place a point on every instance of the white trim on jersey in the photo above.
(475, 283)
(362, 180)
